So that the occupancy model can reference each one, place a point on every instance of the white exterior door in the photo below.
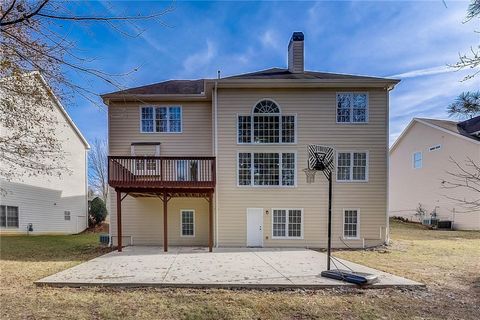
(254, 227)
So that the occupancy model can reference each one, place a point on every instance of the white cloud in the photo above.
(201, 59)
(270, 39)
(423, 72)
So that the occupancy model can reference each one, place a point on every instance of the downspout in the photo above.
(86, 190)
(216, 162)
(387, 225)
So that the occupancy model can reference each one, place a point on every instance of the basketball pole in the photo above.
(329, 245)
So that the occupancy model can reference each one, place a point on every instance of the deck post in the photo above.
(119, 221)
(165, 225)
(210, 221)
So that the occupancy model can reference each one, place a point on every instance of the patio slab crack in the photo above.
(271, 266)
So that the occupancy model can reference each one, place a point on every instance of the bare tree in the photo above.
(465, 178)
(98, 168)
(30, 40)
(466, 105)
(471, 60)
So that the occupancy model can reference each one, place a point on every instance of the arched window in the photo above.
(266, 106)
(266, 124)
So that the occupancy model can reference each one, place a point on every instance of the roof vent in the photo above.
(295, 53)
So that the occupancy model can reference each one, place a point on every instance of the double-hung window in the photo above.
(266, 169)
(161, 119)
(8, 216)
(187, 223)
(287, 223)
(352, 166)
(266, 124)
(417, 159)
(351, 224)
(352, 107)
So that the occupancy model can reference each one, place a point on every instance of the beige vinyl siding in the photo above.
(409, 187)
(194, 140)
(142, 221)
(316, 124)
(142, 218)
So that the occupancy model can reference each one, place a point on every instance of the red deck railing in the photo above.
(161, 172)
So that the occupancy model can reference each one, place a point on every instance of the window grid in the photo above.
(244, 129)
(352, 107)
(279, 223)
(288, 129)
(8, 216)
(287, 223)
(266, 125)
(66, 215)
(352, 166)
(350, 226)
(417, 160)
(244, 169)
(188, 223)
(266, 129)
(288, 169)
(266, 169)
(161, 119)
(343, 166)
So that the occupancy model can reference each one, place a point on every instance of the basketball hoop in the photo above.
(310, 174)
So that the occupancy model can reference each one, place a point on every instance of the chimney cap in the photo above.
(297, 36)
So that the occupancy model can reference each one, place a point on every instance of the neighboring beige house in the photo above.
(219, 162)
(419, 161)
(48, 204)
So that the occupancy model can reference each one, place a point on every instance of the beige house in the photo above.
(420, 160)
(220, 162)
(42, 203)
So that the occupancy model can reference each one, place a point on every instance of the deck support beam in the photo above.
(165, 221)
(210, 222)
(119, 221)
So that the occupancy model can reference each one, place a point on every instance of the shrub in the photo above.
(98, 212)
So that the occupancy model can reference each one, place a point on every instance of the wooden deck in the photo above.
(165, 178)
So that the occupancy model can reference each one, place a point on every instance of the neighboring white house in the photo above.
(419, 162)
(49, 204)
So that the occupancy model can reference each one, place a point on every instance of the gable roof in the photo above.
(197, 86)
(447, 126)
(471, 126)
(279, 73)
(166, 87)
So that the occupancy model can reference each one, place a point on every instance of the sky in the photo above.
(412, 41)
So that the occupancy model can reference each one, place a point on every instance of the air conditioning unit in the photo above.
(105, 239)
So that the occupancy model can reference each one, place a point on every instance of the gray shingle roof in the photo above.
(197, 86)
(167, 87)
(278, 73)
(453, 126)
(471, 125)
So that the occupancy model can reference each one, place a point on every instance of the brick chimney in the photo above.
(295, 53)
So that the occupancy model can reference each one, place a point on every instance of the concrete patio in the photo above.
(143, 266)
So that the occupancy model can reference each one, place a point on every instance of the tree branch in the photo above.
(25, 17)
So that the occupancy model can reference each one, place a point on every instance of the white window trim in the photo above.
(280, 114)
(286, 237)
(181, 223)
(6, 217)
(421, 160)
(358, 224)
(351, 166)
(367, 110)
(155, 117)
(69, 215)
(252, 185)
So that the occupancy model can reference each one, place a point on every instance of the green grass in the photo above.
(448, 262)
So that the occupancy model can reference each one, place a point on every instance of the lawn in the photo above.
(447, 261)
